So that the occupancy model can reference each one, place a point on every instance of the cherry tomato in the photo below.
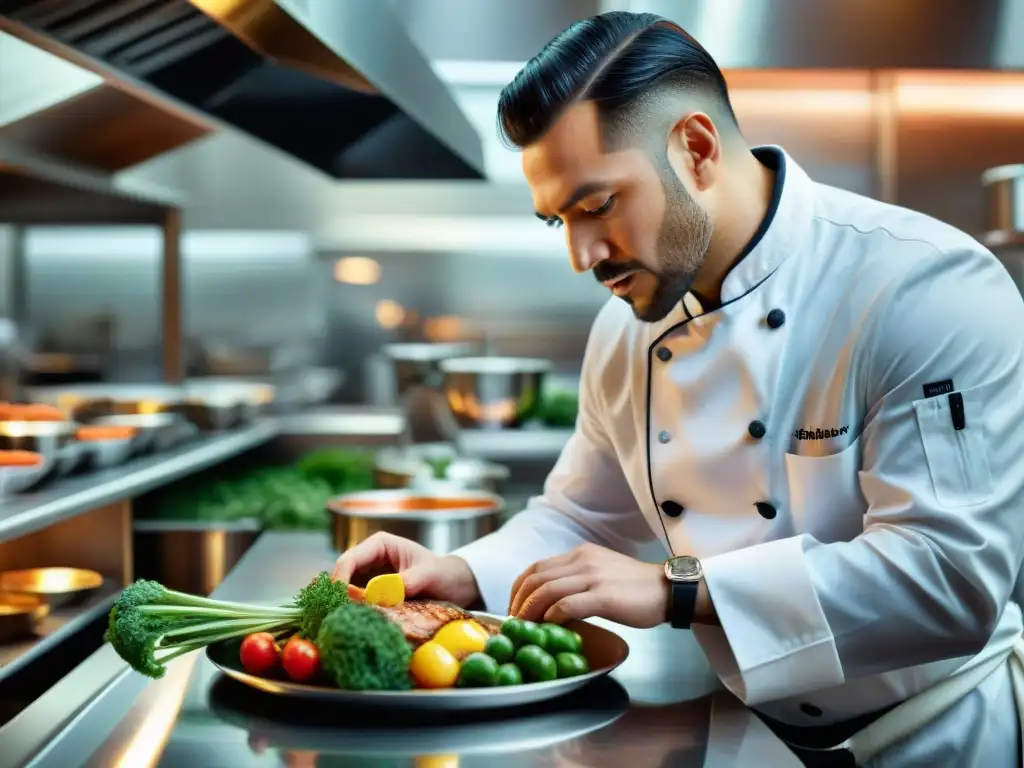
(300, 659)
(259, 653)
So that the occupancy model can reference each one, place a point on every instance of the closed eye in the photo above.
(604, 209)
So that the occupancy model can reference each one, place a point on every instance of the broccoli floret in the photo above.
(317, 599)
(361, 650)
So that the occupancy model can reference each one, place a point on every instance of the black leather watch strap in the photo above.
(684, 601)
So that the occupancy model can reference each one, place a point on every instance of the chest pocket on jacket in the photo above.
(825, 499)
(957, 458)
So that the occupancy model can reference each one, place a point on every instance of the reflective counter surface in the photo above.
(661, 708)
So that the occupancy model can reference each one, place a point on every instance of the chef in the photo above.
(816, 401)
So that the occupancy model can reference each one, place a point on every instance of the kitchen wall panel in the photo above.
(952, 128)
(241, 289)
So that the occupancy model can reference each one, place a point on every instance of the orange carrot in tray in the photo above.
(92, 433)
(20, 459)
(30, 412)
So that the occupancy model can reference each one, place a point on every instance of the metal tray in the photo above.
(102, 454)
(605, 651)
(19, 479)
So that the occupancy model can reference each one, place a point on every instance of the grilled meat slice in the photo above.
(420, 619)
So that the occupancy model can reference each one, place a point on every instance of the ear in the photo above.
(695, 149)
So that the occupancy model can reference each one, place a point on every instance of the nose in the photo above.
(586, 249)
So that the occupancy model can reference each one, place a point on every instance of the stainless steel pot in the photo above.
(419, 364)
(189, 556)
(1004, 198)
(452, 519)
(1004, 191)
(494, 392)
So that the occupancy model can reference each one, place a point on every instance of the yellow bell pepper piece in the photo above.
(433, 666)
(437, 761)
(461, 637)
(385, 590)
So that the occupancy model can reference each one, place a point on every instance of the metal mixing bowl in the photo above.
(153, 431)
(451, 520)
(46, 438)
(418, 364)
(494, 392)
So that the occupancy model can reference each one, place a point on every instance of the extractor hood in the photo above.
(336, 84)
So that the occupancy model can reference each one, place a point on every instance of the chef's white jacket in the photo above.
(841, 443)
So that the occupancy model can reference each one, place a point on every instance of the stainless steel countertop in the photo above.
(661, 708)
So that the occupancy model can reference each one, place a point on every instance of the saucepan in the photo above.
(440, 521)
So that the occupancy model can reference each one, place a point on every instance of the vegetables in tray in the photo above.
(20, 459)
(334, 634)
(280, 498)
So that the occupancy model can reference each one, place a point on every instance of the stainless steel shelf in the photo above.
(344, 421)
(66, 498)
(56, 627)
(508, 444)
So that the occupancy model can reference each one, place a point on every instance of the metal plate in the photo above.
(604, 650)
(310, 726)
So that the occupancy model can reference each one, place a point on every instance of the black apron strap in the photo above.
(816, 745)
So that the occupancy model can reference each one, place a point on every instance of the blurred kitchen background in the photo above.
(287, 264)
(245, 247)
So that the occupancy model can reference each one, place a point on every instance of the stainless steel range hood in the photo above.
(338, 85)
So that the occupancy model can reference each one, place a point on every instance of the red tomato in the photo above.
(259, 653)
(300, 659)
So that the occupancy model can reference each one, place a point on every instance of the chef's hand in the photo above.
(592, 581)
(423, 573)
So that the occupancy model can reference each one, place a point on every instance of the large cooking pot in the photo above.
(440, 521)
(191, 556)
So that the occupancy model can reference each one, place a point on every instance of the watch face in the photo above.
(684, 568)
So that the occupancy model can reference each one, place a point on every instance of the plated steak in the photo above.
(419, 620)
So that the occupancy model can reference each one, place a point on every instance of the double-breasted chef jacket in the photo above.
(841, 443)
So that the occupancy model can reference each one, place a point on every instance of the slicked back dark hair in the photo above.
(614, 59)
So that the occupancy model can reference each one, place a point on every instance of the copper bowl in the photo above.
(20, 615)
(55, 586)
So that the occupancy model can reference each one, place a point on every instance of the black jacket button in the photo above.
(671, 508)
(766, 510)
(810, 710)
(756, 429)
(664, 354)
(776, 318)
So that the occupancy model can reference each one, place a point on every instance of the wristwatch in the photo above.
(684, 574)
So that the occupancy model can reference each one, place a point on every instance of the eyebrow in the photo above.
(583, 191)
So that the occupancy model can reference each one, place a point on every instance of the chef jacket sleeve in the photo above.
(586, 499)
(943, 474)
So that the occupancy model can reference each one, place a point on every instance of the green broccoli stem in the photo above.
(183, 598)
(161, 609)
(180, 650)
(184, 633)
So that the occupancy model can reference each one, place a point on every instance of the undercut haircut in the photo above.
(630, 65)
